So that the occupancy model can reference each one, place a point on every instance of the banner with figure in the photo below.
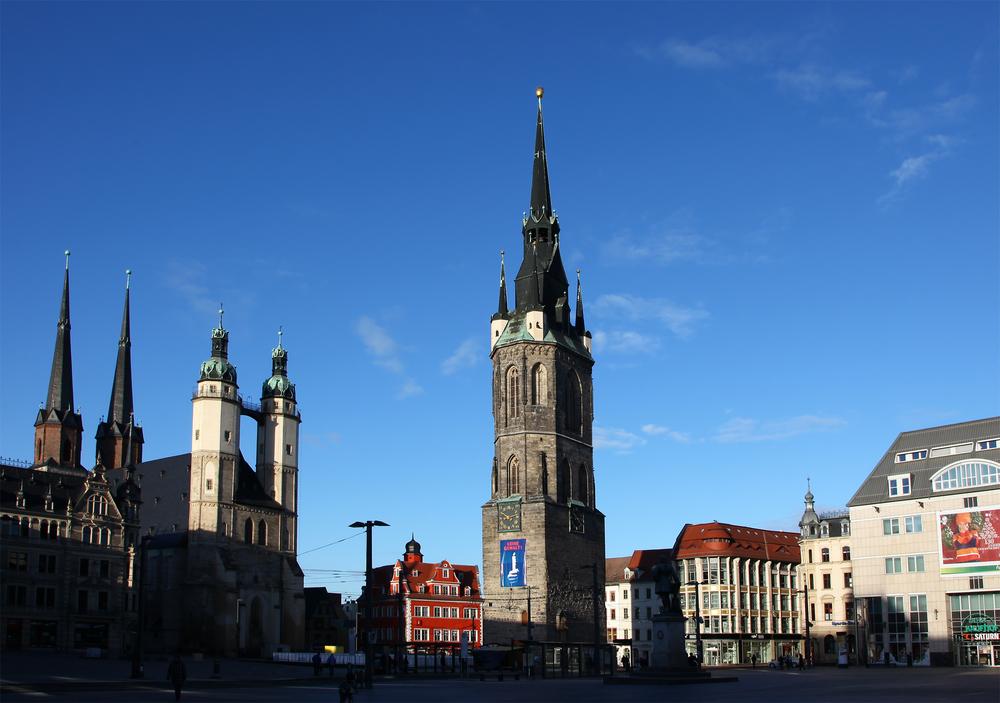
(512, 566)
(970, 541)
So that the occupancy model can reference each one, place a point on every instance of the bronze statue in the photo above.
(668, 586)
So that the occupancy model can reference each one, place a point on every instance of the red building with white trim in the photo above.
(433, 604)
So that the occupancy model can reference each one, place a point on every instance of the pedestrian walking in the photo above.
(317, 664)
(331, 661)
(346, 692)
(176, 674)
(753, 660)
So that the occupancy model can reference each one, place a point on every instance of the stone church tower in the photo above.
(542, 488)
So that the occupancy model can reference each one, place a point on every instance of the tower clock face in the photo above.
(509, 516)
(577, 520)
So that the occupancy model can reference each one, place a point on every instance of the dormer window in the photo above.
(989, 444)
(445, 573)
(911, 456)
(899, 485)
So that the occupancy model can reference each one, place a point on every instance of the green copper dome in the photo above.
(278, 386)
(217, 367)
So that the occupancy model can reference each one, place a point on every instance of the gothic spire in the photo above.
(541, 199)
(580, 326)
(61, 378)
(120, 408)
(129, 461)
(502, 307)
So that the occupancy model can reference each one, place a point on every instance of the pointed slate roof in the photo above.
(60, 396)
(120, 407)
(541, 198)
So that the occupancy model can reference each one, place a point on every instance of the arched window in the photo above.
(581, 484)
(39, 452)
(262, 533)
(824, 554)
(248, 531)
(496, 478)
(562, 482)
(513, 393)
(966, 474)
(573, 410)
(513, 476)
(87, 534)
(284, 539)
(539, 385)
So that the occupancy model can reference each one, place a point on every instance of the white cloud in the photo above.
(743, 429)
(664, 248)
(811, 82)
(709, 53)
(660, 430)
(466, 355)
(616, 438)
(410, 388)
(678, 319)
(380, 344)
(625, 342)
(914, 168)
(384, 351)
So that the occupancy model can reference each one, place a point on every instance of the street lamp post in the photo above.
(137, 669)
(368, 525)
(697, 620)
(808, 648)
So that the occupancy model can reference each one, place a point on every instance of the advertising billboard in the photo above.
(512, 565)
(969, 541)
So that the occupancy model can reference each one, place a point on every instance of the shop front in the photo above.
(975, 629)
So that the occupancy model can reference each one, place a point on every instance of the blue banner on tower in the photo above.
(512, 563)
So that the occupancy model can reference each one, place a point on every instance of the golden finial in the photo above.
(539, 92)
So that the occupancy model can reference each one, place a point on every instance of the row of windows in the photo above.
(511, 480)
(968, 474)
(28, 527)
(571, 402)
(424, 635)
(611, 594)
(914, 564)
(982, 445)
(910, 524)
(45, 597)
(753, 572)
(828, 581)
(824, 554)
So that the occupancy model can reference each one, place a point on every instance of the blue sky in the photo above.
(786, 215)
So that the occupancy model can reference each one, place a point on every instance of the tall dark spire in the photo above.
(61, 379)
(541, 198)
(580, 326)
(541, 281)
(120, 408)
(502, 306)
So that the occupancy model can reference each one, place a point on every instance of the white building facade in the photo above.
(926, 550)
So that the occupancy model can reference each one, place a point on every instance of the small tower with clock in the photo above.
(542, 531)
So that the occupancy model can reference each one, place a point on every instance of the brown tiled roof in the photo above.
(724, 539)
(462, 574)
(614, 569)
(646, 559)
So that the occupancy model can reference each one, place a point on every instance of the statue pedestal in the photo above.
(668, 643)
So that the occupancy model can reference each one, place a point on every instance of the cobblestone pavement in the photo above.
(815, 686)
